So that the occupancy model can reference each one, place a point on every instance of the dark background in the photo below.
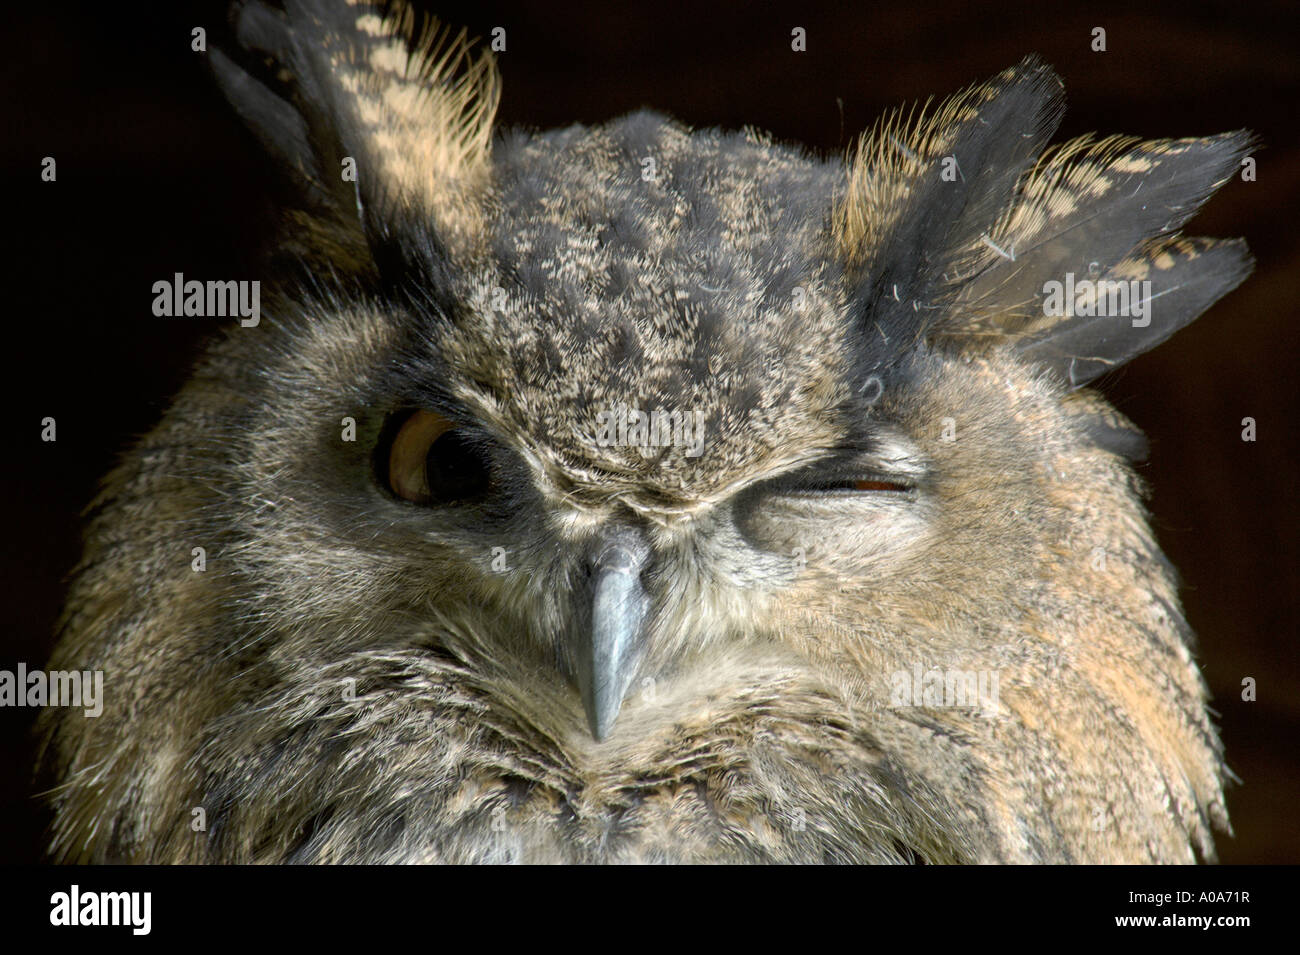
(155, 176)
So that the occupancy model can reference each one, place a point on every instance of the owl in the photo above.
(634, 493)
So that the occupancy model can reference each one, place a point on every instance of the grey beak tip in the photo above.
(602, 714)
(608, 660)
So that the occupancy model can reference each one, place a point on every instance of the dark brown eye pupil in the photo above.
(455, 469)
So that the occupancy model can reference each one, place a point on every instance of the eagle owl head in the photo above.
(639, 493)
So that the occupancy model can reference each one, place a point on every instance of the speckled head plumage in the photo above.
(555, 647)
(622, 281)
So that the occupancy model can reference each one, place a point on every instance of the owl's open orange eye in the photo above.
(432, 461)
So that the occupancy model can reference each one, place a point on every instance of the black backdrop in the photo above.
(155, 176)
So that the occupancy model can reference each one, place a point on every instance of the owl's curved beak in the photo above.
(608, 652)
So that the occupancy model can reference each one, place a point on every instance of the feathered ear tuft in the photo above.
(1167, 283)
(925, 187)
(954, 227)
(380, 120)
(1094, 272)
